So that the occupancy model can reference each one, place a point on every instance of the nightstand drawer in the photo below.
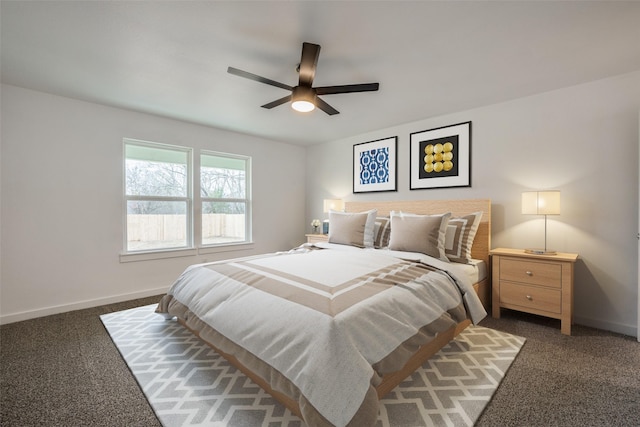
(317, 238)
(531, 272)
(535, 297)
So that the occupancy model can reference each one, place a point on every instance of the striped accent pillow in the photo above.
(381, 232)
(459, 237)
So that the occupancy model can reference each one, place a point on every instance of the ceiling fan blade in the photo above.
(257, 78)
(277, 102)
(330, 90)
(308, 63)
(326, 107)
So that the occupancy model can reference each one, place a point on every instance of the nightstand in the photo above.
(538, 284)
(317, 238)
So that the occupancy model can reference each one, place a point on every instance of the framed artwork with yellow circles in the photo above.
(441, 157)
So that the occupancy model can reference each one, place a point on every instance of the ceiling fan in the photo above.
(304, 97)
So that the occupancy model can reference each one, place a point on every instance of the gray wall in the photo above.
(582, 140)
(62, 202)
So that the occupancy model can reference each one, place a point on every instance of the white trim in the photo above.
(227, 247)
(79, 305)
(157, 254)
(178, 253)
(615, 327)
(196, 208)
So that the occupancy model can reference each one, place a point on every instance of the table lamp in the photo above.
(541, 203)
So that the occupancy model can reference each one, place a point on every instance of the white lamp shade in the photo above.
(541, 202)
(333, 204)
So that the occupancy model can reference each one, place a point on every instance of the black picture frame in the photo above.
(375, 166)
(440, 157)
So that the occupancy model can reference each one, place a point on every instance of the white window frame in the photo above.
(246, 200)
(194, 208)
(188, 198)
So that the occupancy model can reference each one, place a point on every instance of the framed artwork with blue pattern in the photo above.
(375, 165)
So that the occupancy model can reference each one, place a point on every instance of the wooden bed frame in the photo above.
(480, 250)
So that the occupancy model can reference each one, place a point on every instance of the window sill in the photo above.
(147, 256)
(178, 253)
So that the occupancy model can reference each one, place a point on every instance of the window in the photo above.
(158, 197)
(224, 196)
(160, 200)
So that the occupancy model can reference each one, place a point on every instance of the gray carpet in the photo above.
(591, 378)
(64, 370)
(188, 384)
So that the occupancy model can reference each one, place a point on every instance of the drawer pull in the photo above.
(529, 273)
(529, 297)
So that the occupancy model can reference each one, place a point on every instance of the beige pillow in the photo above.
(355, 229)
(419, 233)
(459, 237)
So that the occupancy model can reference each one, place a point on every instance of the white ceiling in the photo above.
(431, 58)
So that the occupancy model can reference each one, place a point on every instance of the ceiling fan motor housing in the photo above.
(303, 93)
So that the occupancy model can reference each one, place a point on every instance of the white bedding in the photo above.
(312, 317)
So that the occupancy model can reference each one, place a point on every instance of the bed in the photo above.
(330, 328)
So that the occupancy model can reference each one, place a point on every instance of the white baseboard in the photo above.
(79, 305)
(619, 328)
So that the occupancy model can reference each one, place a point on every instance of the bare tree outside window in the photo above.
(146, 178)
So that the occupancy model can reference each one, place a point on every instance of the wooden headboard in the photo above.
(482, 242)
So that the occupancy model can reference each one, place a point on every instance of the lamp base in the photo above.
(540, 252)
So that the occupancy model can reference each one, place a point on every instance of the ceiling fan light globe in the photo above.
(303, 106)
(303, 99)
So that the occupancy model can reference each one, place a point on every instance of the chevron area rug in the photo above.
(188, 384)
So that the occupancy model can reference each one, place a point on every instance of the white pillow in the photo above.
(370, 228)
(419, 233)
